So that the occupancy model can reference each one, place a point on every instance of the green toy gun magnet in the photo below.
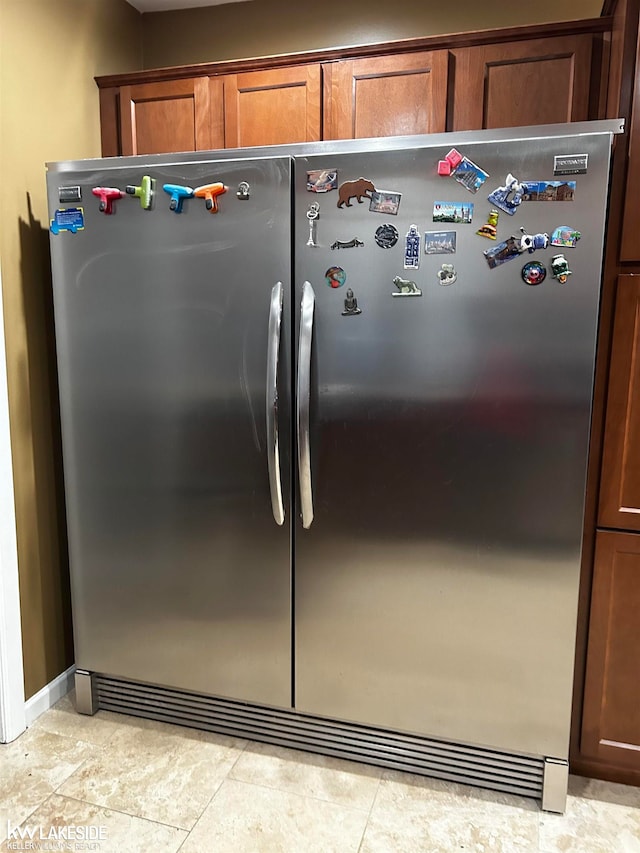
(144, 192)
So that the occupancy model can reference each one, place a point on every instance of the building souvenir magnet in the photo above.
(347, 244)
(322, 180)
(452, 211)
(439, 242)
(412, 249)
(385, 201)
(549, 190)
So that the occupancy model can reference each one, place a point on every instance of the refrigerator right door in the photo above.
(436, 584)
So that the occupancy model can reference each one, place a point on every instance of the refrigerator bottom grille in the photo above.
(455, 762)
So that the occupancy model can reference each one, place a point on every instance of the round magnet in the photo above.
(534, 272)
(335, 277)
(386, 235)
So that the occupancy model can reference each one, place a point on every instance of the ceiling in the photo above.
(164, 5)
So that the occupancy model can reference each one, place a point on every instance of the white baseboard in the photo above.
(49, 695)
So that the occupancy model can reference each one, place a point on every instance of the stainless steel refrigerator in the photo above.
(317, 493)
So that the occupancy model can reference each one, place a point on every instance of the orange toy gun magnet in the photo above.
(210, 193)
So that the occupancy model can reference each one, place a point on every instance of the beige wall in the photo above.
(50, 51)
(267, 27)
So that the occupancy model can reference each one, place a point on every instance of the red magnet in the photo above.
(107, 196)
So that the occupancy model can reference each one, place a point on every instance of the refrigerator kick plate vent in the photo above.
(454, 762)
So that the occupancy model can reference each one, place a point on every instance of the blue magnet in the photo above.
(178, 195)
(509, 196)
(67, 219)
(412, 249)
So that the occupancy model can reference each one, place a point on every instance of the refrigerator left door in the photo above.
(180, 574)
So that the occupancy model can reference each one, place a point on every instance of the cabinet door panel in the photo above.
(540, 81)
(387, 96)
(272, 107)
(620, 484)
(611, 716)
(178, 115)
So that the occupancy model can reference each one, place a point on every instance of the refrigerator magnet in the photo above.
(490, 228)
(405, 287)
(502, 252)
(177, 195)
(453, 211)
(570, 164)
(439, 242)
(565, 236)
(107, 196)
(144, 192)
(549, 190)
(447, 275)
(347, 244)
(67, 219)
(412, 249)
(322, 180)
(385, 201)
(471, 176)
(386, 235)
(358, 189)
(560, 268)
(509, 196)
(531, 242)
(210, 194)
(244, 191)
(351, 305)
(533, 272)
(313, 214)
(335, 277)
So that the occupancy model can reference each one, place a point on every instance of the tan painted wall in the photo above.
(267, 27)
(50, 51)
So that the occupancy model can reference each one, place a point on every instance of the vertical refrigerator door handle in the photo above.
(273, 447)
(304, 390)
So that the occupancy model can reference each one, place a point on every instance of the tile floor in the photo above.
(156, 787)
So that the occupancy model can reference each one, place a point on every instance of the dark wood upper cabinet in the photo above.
(620, 482)
(270, 107)
(536, 81)
(611, 714)
(386, 96)
(177, 115)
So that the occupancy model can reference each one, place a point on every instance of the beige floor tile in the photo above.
(418, 815)
(245, 818)
(606, 792)
(343, 782)
(156, 771)
(591, 826)
(31, 768)
(63, 719)
(121, 832)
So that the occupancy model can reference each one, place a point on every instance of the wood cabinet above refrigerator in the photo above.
(495, 78)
